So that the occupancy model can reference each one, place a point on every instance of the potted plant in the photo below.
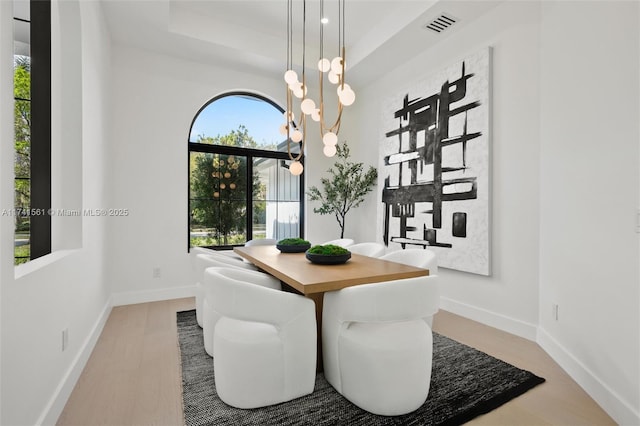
(344, 189)
(293, 245)
(328, 254)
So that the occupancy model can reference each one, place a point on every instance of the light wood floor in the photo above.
(132, 377)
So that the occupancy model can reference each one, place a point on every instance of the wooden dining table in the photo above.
(313, 280)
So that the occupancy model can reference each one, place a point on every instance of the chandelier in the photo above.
(297, 88)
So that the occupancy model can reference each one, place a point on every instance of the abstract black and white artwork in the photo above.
(434, 166)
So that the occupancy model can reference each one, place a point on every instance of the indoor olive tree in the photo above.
(345, 188)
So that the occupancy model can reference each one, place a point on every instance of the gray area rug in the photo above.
(464, 384)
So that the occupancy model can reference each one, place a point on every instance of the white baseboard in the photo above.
(56, 404)
(144, 296)
(492, 319)
(620, 410)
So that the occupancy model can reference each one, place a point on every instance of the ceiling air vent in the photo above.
(441, 23)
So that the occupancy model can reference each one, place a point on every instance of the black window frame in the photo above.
(250, 154)
(40, 130)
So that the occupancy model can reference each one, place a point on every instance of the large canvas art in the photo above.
(434, 166)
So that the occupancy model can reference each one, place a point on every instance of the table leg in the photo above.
(317, 299)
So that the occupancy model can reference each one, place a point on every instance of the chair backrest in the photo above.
(204, 261)
(203, 250)
(261, 242)
(419, 258)
(368, 249)
(194, 251)
(196, 273)
(342, 242)
(389, 301)
(249, 296)
(244, 275)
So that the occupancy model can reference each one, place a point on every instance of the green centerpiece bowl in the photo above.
(293, 245)
(328, 254)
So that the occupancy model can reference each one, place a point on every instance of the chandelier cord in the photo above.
(344, 18)
(341, 25)
(340, 29)
(289, 66)
(321, 30)
(304, 37)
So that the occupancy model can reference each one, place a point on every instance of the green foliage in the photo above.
(293, 242)
(238, 137)
(23, 227)
(213, 241)
(328, 250)
(22, 141)
(23, 252)
(218, 191)
(344, 189)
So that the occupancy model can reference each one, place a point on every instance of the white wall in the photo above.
(65, 289)
(155, 99)
(589, 195)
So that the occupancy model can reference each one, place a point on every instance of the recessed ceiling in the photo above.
(250, 35)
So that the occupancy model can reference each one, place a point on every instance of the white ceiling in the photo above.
(251, 34)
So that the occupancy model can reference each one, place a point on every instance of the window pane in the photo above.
(22, 10)
(259, 225)
(21, 36)
(22, 246)
(288, 224)
(282, 219)
(218, 199)
(276, 193)
(22, 120)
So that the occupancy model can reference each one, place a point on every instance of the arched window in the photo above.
(239, 184)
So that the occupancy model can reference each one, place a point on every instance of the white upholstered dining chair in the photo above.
(196, 278)
(207, 259)
(264, 344)
(210, 316)
(377, 344)
(420, 258)
(342, 242)
(368, 249)
(261, 242)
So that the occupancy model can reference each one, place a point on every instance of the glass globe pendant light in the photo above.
(335, 70)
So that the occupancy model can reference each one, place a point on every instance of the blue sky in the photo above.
(220, 117)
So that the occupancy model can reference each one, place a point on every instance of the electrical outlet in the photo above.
(156, 272)
(65, 339)
(554, 311)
